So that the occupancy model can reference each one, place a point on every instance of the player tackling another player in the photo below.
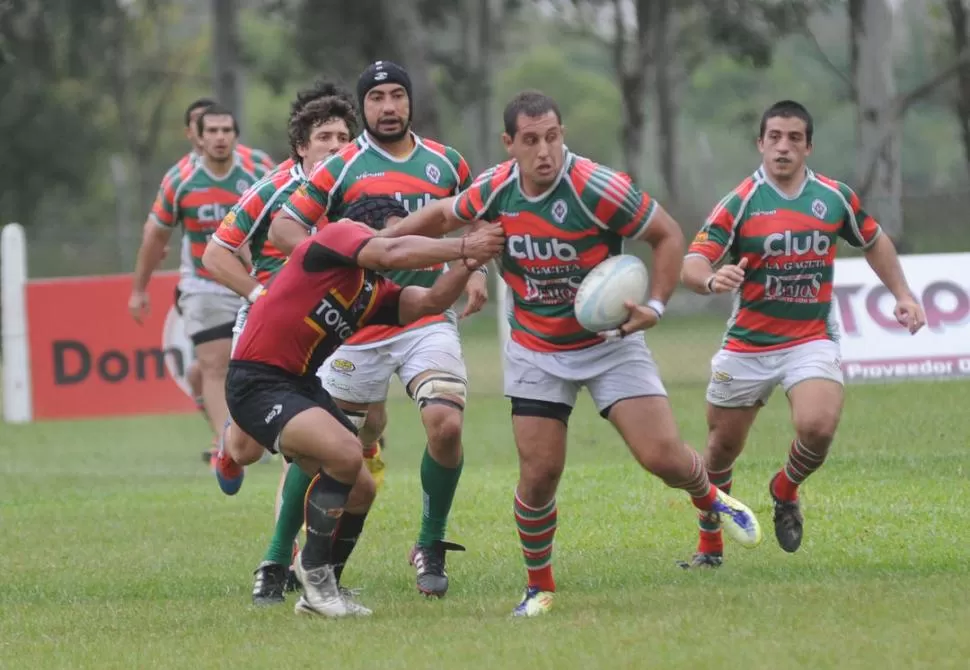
(329, 288)
(773, 241)
(388, 159)
(562, 215)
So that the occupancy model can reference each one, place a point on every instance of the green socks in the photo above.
(439, 484)
(291, 516)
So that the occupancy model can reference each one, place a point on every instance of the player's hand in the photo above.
(477, 292)
(483, 244)
(909, 313)
(641, 318)
(729, 277)
(138, 306)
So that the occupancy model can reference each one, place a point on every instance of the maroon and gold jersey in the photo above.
(318, 299)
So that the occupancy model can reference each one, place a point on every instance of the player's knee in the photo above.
(363, 494)
(444, 426)
(538, 483)
(346, 460)
(664, 458)
(817, 431)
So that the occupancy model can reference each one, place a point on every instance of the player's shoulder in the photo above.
(498, 176)
(831, 184)
(449, 153)
(592, 180)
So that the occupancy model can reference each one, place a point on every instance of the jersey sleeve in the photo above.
(164, 209)
(387, 308)
(612, 198)
(336, 245)
(713, 241)
(478, 201)
(859, 229)
(264, 162)
(238, 225)
(314, 199)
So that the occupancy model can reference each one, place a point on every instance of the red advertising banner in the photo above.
(88, 358)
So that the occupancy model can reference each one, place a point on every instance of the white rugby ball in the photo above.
(599, 300)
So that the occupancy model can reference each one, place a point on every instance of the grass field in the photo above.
(118, 551)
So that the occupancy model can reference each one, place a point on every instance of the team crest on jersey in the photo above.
(433, 173)
(819, 209)
(701, 237)
(559, 211)
(242, 186)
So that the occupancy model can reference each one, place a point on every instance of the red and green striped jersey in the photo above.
(247, 223)
(198, 200)
(431, 171)
(790, 244)
(554, 240)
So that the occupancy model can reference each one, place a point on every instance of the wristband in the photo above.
(710, 283)
(255, 293)
(461, 249)
(483, 269)
(656, 306)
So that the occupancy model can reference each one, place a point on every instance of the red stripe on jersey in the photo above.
(528, 223)
(763, 225)
(580, 173)
(534, 343)
(395, 182)
(792, 329)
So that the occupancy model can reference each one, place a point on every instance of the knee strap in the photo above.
(440, 389)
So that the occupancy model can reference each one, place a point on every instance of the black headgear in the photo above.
(383, 72)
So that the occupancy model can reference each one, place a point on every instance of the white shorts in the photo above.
(746, 380)
(611, 371)
(208, 316)
(237, 326)
(363, 376)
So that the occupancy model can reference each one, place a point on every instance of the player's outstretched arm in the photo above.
(286, 233)
(414, 252)
(884, 261)
(417, 302)
(150, 255)
(228, 269)
(433, 220)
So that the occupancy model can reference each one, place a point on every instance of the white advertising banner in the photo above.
(876, 348)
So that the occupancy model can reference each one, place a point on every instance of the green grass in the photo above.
(118, 551)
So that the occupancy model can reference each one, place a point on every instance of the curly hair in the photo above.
(321, 88)
(315, 113)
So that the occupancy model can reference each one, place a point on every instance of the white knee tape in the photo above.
(357, 418)
(440, 388)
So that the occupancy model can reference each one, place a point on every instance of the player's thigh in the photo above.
(538, 376)
(359, 376)
(814, 384)
(432, 367)
(742, 380)
(618, 371)
(209, 317)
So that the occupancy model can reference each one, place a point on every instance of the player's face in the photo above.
(191, 131)
(784, 147)
(386, 112)
(326, 139)
(537, 147)
(218, 137)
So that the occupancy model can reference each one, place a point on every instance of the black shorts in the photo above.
(263, 398)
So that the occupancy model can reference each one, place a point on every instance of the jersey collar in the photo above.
(371, 142)
(761, 176)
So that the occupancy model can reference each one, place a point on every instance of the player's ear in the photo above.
(507, 141)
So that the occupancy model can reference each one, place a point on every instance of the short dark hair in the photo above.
(531, 103)
(201, 103)
(321, 88)
(316, 112)
(216, 109)
(788, 109)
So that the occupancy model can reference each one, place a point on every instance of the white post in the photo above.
(502, 308)
(16, 357)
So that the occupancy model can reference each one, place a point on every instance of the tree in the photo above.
(880, 109)
(960, 29)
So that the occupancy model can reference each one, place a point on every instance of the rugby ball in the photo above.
(599, 300)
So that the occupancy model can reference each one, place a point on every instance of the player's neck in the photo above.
(398, 148)
(218, 168)
(790, 186)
